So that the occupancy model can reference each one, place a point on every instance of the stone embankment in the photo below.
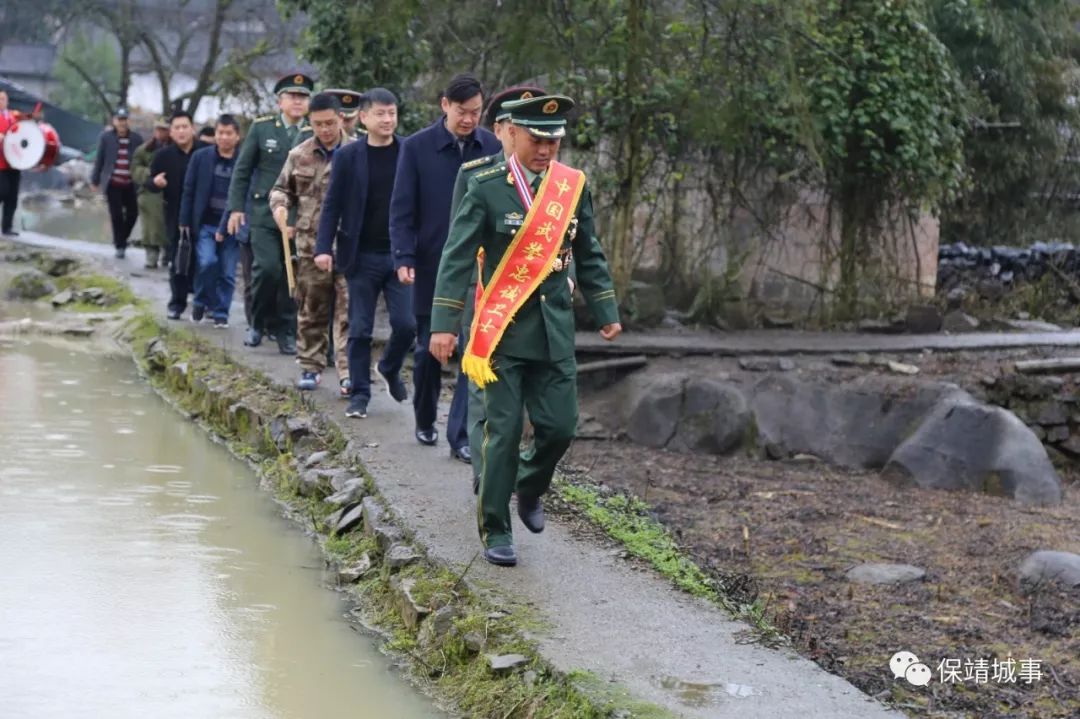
(929, 434)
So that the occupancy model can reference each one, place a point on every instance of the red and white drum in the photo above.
(30, 144)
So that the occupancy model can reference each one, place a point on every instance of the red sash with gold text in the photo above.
(526, 263)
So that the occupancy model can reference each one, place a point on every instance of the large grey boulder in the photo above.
(966, 445)
(714, 419)
(856, 424)
(1048, 567)
(652, 407)
(682, 412)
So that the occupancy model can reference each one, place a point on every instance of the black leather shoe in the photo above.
(429, 437)
(174, 314)
(462, 454)
(286, 344)
(253, 339)
(501, 556)
(531, 511)
(394, 386)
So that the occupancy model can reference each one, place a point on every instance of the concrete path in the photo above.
(626, 626)
(790, 342)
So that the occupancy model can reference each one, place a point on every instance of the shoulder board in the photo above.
(496, 171)
(306, 128)
(264, 118)
(478, 162)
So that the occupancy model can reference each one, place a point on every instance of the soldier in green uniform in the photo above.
(497, 120)
(530, 362)
(151, 204)
(350, 111)
(260, 161)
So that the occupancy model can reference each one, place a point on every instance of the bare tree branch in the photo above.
(98, 90)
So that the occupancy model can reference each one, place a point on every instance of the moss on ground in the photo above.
(237, 404)
(116, 293)
(629, 522)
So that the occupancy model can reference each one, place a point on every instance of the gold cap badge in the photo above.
(551, 107)
(526, 95)
(299, 79)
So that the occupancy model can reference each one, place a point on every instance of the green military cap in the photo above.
(496, 110)
(543, 116)
(350, 100)
(162, 123)
(296, 82)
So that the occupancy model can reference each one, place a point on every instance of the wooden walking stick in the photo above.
(283, 227)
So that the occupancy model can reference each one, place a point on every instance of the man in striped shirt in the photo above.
(112, 169)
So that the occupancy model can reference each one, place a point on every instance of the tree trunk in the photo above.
(622, 245)
(125, 72)
(206, 75)
(847, 297)
(163, 75)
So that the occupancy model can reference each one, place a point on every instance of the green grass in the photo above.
(627, 520)
(117, 293)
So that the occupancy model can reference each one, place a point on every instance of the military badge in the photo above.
(551, 107)
(299, 79)
(513, 219)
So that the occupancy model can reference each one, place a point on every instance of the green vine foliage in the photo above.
(868, 101)
(1018, 62)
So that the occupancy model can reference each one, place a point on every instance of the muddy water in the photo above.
(88, 222)
(143, 573)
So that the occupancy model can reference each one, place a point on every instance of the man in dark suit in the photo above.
(202, 205)
(168, 168)
(419, 223)
(356, 217)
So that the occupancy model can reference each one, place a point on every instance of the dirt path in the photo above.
(786, 533)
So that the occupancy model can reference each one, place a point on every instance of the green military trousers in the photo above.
(548, 389)
(272, 309)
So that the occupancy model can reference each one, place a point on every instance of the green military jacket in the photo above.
(257, 167)
(544, 326)
(151, 204)
(470, 168)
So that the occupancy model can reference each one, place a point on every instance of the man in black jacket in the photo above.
(112, 172)
(167, 171)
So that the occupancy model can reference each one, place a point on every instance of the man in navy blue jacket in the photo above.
(202, 206)
(356, 217)
(419, 224)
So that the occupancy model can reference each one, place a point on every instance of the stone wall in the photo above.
(995, 271)
(764, 245)
(1050, 406)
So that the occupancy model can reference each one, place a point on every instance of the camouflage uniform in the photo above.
(302, 184)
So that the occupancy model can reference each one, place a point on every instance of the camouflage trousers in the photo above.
(316, 293)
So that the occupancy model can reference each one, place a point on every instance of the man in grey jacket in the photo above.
(112, 171)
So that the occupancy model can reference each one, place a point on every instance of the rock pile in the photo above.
(928, 434)
(1050, 406)
(992, 271)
